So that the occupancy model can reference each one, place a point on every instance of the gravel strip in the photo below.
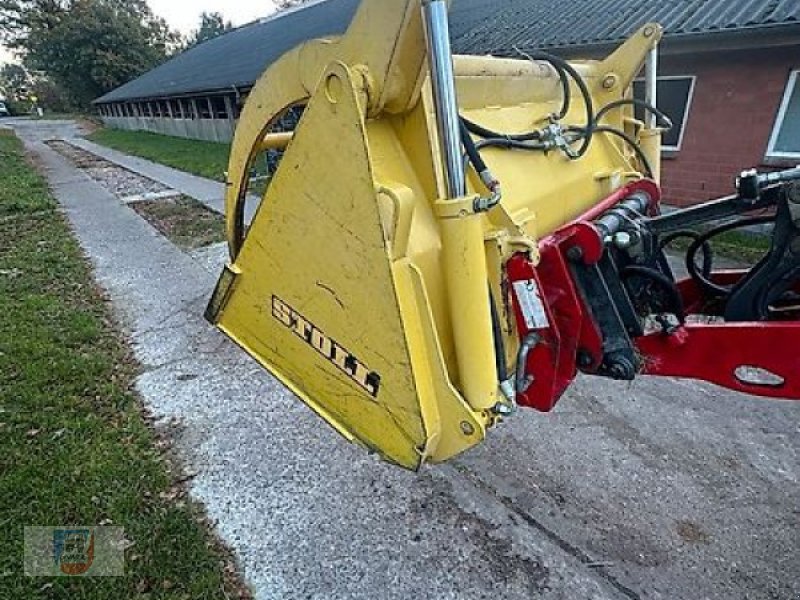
(118, 180)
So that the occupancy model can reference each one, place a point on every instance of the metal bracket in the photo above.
(458, 208)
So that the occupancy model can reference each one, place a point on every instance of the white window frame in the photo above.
(686, 111)
(776, 128)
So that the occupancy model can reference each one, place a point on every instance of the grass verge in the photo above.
(206, 159)
(747, 248)
(184, 221)
(75, 448)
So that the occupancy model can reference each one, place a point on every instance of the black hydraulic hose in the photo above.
(630, 141)
(665, 121)
(566, 92)
(584, 89)
(557, 64)
(708, 251)
(532, 141)
(703, 281)
(648, 168)
(509, 144)
(472, 151)
(499, 345)
(664, 282)
(486, 133)
(563, 75)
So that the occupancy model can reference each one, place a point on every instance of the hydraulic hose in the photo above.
(584, 89)
(691, 265)
(472, 151)
(664, 120)
(474, 157)
(510, 144)
(708, 251)
(664, 282)
(486, 133)
(499, 346)
(648, 168)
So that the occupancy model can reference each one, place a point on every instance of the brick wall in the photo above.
(736, 100)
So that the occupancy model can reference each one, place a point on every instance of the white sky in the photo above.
(184, 15)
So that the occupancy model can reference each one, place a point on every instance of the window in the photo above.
(219, 108)
(675, 99)
(785, 139)
(204, 108)
(189, 109)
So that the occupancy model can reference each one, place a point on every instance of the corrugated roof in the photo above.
(534, 24)
(478, 27)
(238, 58)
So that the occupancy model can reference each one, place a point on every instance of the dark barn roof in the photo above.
(238, 58)
(534, 24)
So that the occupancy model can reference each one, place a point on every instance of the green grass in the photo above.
(207, 159)
(75, 448)
(747, 248)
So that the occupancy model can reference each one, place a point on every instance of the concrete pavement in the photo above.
(209, 192)
(658, 489)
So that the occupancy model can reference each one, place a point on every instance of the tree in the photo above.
(86, 47)
(212, 25)
(15, 82)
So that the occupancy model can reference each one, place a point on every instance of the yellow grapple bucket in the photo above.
(359, 283)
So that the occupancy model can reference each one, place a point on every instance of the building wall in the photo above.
(212, 118)
(212, 130)
(736, 101)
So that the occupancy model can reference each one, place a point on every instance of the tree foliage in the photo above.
(212, 25)
(14, 82)
(18, 86)
(87, 47)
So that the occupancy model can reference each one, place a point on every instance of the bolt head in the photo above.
(502, 410)
(467, 428)
(609, 81)
(585, 359)
(575, 253)
(623, 240)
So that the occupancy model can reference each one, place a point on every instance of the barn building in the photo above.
(729, 73)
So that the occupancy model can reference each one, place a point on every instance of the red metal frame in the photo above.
(572, 331)
(712, 352)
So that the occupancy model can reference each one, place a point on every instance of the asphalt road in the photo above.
(661, 489)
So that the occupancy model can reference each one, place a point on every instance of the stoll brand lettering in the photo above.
(336, 354)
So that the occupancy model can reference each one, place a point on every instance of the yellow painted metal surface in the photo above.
(358, 284)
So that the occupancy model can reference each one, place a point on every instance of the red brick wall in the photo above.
(736, 100)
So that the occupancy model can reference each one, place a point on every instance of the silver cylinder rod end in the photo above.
(651, 83)
(440, 58)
